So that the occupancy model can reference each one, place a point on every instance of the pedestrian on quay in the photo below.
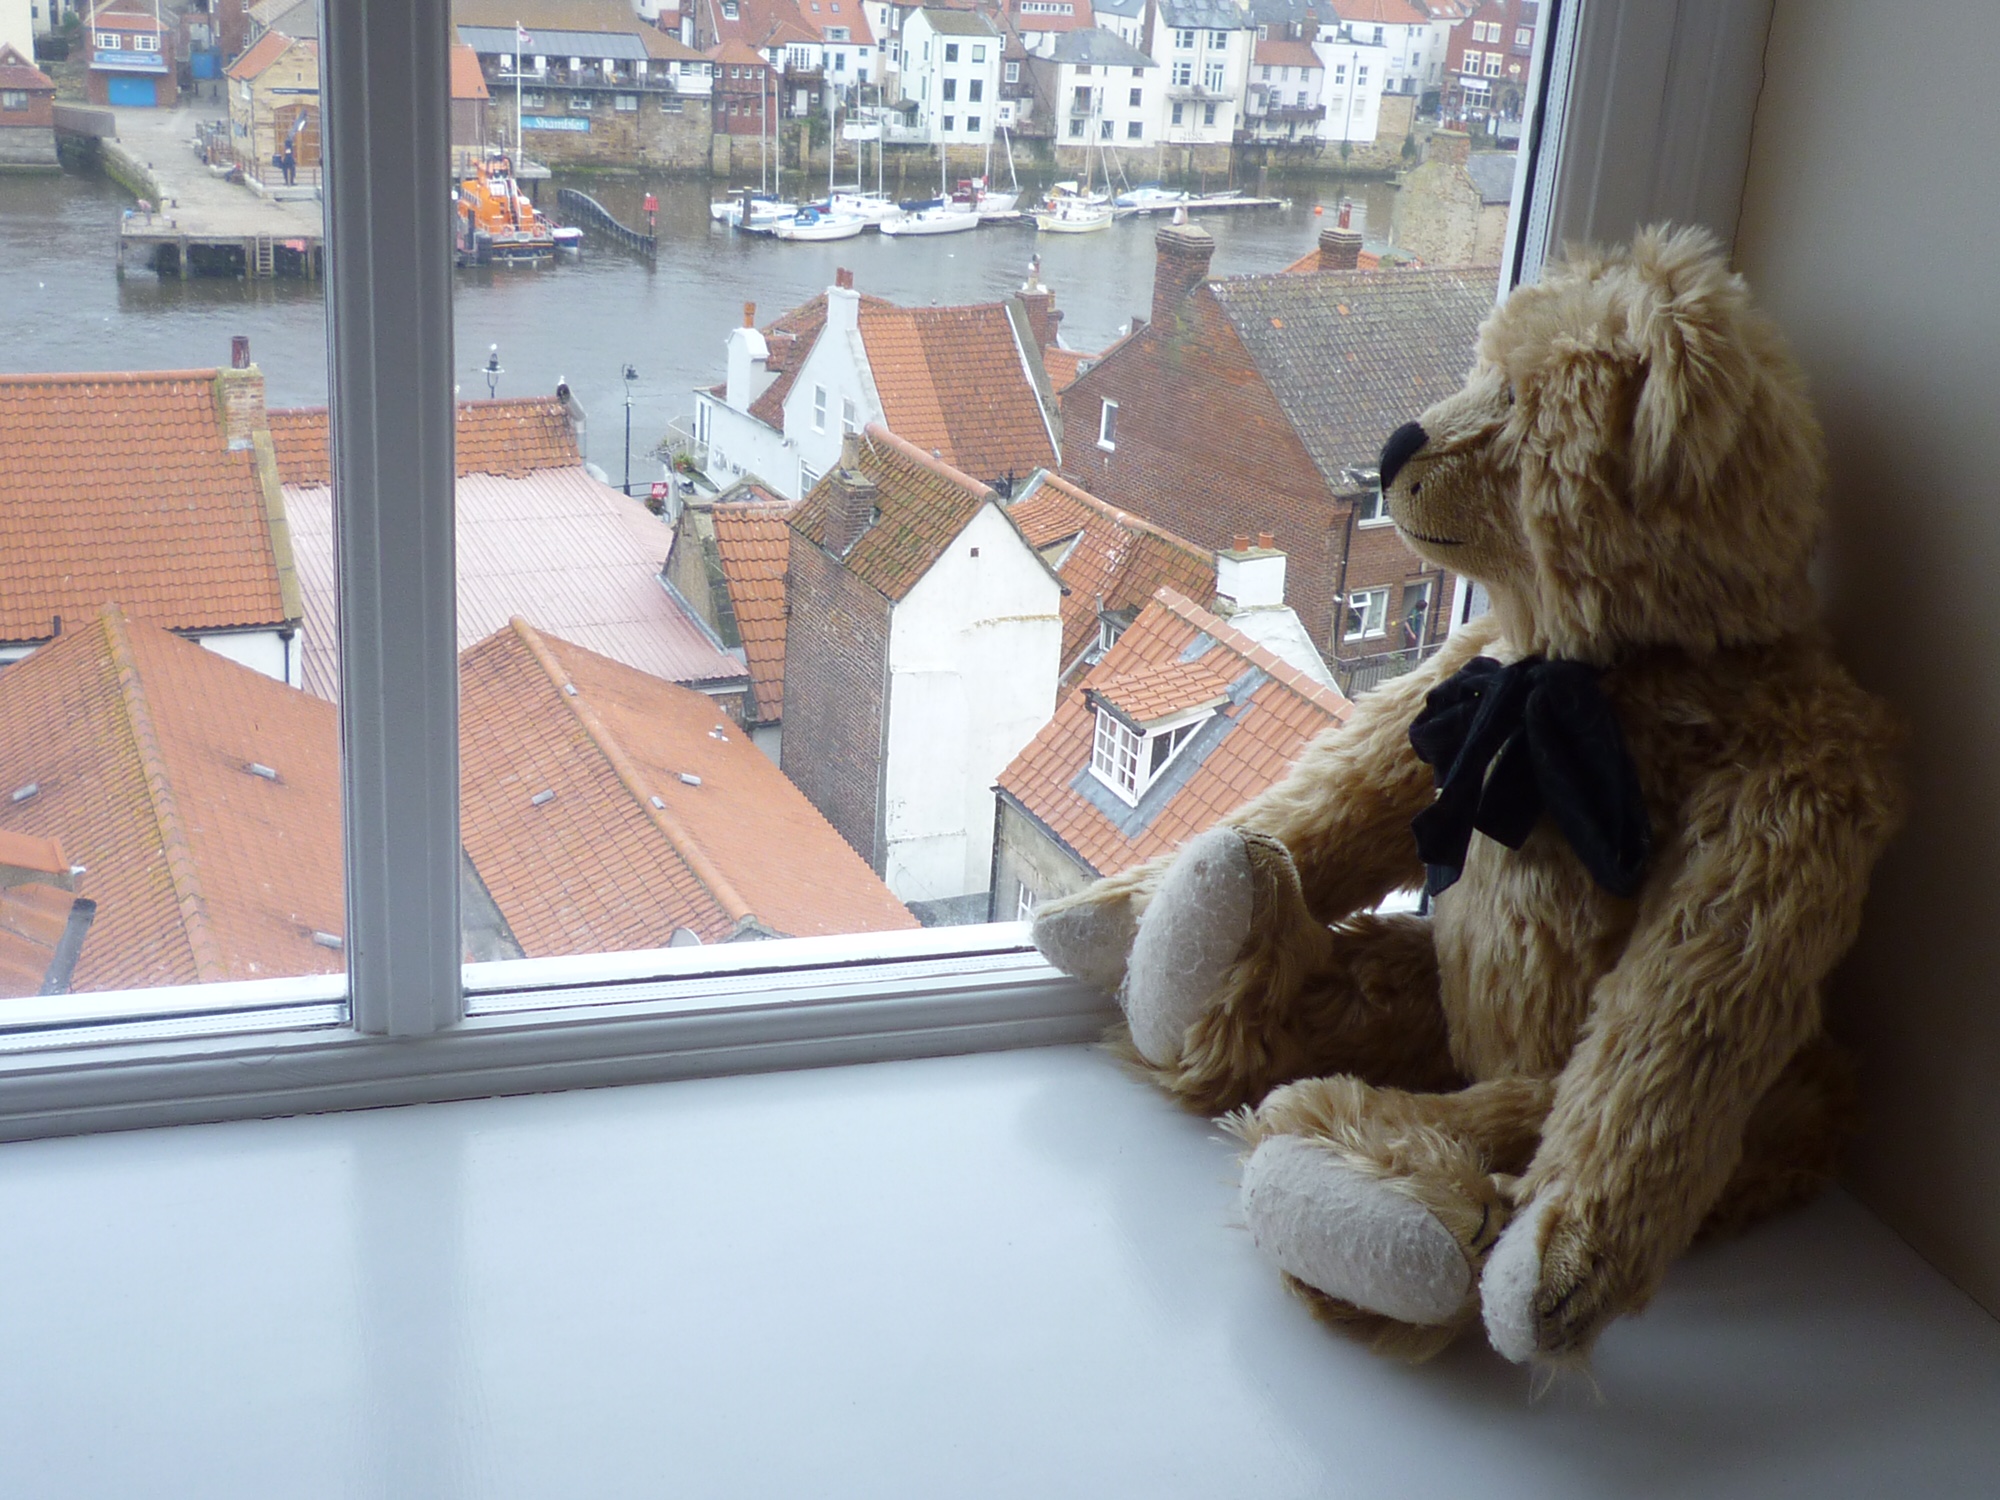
(291, 165)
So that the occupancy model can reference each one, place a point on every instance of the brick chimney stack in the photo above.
(1339, 249)
(1181, 256)
(1044, 320)
(1449, 146)
(842, 277)
(854, 497)
(239, 404)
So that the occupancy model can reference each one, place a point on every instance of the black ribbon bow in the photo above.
(1507, 743)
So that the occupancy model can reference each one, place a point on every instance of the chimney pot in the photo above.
(1239, 544)
(749, 315)
(844, 277)
(239, 351)
(1266, 540)
(1180, 264)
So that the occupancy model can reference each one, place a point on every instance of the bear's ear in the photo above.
(1685, 317)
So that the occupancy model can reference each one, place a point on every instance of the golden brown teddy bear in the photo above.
(1646, 799)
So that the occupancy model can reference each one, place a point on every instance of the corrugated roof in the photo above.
(513, 437)
(202, 871)
(754, 546)
(1113, 560)
(124, 488)
(1272, 713)
(1350, 354)
(664, 816)
(564, 550)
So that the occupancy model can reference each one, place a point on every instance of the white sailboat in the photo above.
(810, 224)
(989, 204)
(940, 216)
(1073, 209)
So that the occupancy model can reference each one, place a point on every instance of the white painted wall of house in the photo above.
(1352, 109)
(838, 364)
(739, 444)
(1111, 93)
(271, 652)
(974, 650)
(924, 71)
(1235, 56)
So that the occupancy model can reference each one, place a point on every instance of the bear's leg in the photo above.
(1379, 1206)
(1235, 987)
(1793, 1143)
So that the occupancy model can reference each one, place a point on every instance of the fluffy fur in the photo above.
(1634, 473)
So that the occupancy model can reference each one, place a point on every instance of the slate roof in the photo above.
(1110, 560)
(515, 437)
(123, 488)
(1492, 172)
(299, 18)
(18, 72)
(961, 381)
(1350, 354)
(1272, 711)
(924, 503)
(1097, 48)
(139, 743)
(1131, 10)
(664, 815)
(557, 546)
(754, 546)
(1204, 15)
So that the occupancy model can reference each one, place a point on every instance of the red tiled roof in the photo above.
(755, 545)
(139, 742)
(923, 502)
(467, 81)
(1082, 18)
(557, 546)
(1380, 12)
(18, 72)
(266, 50)
(1154, 693)
(818, 15)
(1285, 54)
(512, 437)
(123, 488)
(790, 338)
(1114, 560)
(953, 380)
(739, 53)
(35, 903)
(664, 816)
(1274, 712)
(1064, 365)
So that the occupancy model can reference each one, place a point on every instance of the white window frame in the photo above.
(1648, 108)
(850, 418)
(146, 41)
(819, 408)
(1107, 426)
(1373, 607)
(108, 41)
(1372, 509)
(1116, 749)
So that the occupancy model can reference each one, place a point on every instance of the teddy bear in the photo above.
(1644, 799)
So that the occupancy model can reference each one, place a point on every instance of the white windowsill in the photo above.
(1011, 1274)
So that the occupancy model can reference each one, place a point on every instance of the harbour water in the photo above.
(580, 320)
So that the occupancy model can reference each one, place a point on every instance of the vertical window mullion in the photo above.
(387, 143)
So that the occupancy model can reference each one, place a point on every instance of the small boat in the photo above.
(1073, 215)
(811, 223)
(493, 220)
(988, 203)
(753, 211)
(932, 218)
(871, 208)
(1152, 198)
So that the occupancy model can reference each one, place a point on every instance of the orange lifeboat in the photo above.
(495, 220)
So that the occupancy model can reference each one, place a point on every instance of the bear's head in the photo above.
(1631, 463)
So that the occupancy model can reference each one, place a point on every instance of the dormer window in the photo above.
(1130, 762)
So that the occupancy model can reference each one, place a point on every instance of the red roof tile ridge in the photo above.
(1125, 518)
(877, 433)
(1317, 693)
(684, 843)
(181, 869)
(90, 377)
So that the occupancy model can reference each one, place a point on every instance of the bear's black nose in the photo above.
(1402, 446)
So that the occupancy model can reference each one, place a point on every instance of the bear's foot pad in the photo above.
(1191, 934)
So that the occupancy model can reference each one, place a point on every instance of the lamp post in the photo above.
(493, 372)
(630, 376)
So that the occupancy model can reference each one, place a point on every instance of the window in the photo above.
(1107, 426)
(1025, 903)
(1211, 76)
(1218, 39)
(974, 91)
(951, 52)
(109, 41)
(1104, 130)
(1138, 97)
(1114, 756)
(1378, 36)
(1075, 128)
(819, 408)
(1361, 75)
(1183, 74)
(1013, 72)
(1134, 130)
(1372, 509)
(950, 123)
(840, 62)
(1178, 109)
(13, 99)
(1524, 37)
(1208, 114)
(1493, 61)
(950, 90)
(848, 420)
(972, 124)
(580, 104)
(145, 41)
(1184, 41)
(978, 53)
(1302, 99)
(1266, 73)
(1367, 614)
(1340, 73)
(624, 103)
(1416, 613)
(1479, 31)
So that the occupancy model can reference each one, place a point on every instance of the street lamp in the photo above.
(493, 372)
(630, 376)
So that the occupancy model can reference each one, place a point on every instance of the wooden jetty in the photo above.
(585, 210)
(1207, 204)
(175, 244)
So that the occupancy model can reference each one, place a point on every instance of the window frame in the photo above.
(1647, 109)
(1372, 605)
(1107, 425)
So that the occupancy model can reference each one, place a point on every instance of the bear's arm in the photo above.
(1718, 988)
(1344, 810)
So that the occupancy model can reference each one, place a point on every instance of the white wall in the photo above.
(1351, 84)
(266, 651)
(838, 364)
(974, 650)
(1235, 59)
(924, 71)
(18, 25)
(1870, 225)
(739, 444)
